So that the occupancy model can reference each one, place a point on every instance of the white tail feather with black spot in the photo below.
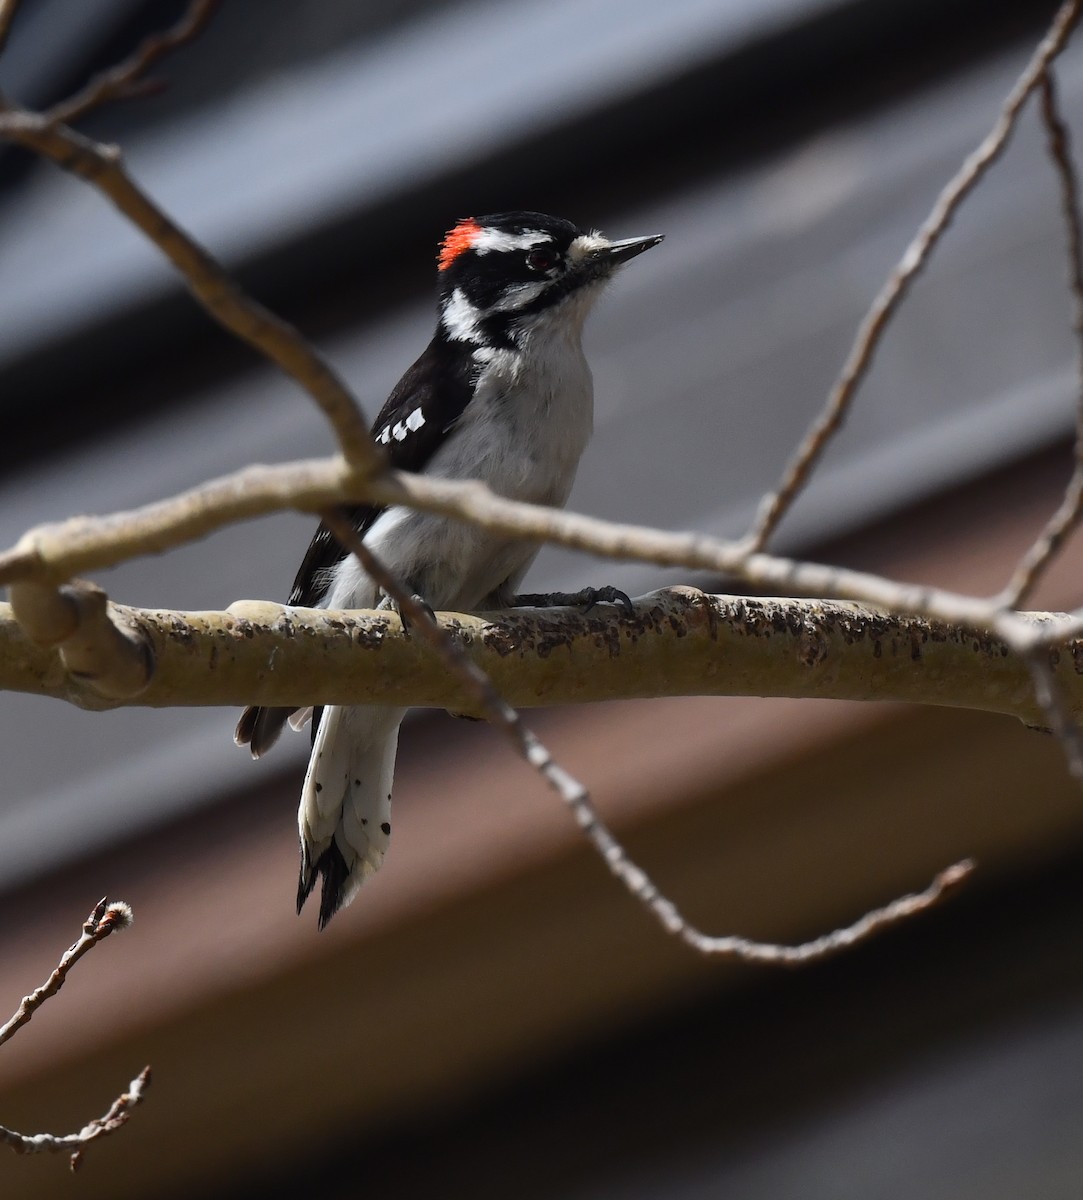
(344, 819)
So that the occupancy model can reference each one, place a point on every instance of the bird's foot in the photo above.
(585, 599)
(390, 604)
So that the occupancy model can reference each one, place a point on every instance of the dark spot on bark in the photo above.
(319, 787)
(811, 647)
(386, 827)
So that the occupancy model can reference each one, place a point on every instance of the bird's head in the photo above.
(501, 274)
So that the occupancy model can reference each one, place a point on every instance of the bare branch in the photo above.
(54, 553)
(675, 642)
(74, 1144)
(106, 917)
(775, 504)
(840, 939)
(98, 644)
(8, 9)
(1066, 518)
(123, 80)
(1051, 697)
(212, 286)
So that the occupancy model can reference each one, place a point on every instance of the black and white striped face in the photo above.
(500, 271)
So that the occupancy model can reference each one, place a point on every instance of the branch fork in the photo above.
(98, 644)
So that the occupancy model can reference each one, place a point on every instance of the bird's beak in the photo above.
(620, 252)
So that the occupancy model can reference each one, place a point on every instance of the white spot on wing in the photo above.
(400, 429)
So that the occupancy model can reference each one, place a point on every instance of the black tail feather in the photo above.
(331, 867)
(258, 728)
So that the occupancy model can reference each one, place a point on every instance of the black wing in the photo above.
(423, 407)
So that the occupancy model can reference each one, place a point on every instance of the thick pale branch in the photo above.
(95, 641)
(677, 642)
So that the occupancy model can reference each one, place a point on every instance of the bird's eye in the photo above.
(541, 260)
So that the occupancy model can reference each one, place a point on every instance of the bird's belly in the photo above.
(454, 565)
(525, 444)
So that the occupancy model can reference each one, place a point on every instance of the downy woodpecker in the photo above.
(503, 394)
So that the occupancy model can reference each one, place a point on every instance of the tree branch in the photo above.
(210, 283)
(774, 505)
(107, 917)
(7, 16)
(126, 78)
(1067, 516)
(676, 642)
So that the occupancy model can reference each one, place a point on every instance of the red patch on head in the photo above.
(457, 240)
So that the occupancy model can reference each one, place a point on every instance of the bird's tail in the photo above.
(344, 818)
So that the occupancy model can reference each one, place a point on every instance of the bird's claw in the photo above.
(390, 604)
(585, 599)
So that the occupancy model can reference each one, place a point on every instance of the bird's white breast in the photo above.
(523, 434)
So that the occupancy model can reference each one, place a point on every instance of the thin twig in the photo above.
(209, 282)
(1052, 700)
(1062, 523)
(7, 16)
(106, 917)
(577, 798)
(74, 1144)
(121, 82)
(871, 923)
(775, 504)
